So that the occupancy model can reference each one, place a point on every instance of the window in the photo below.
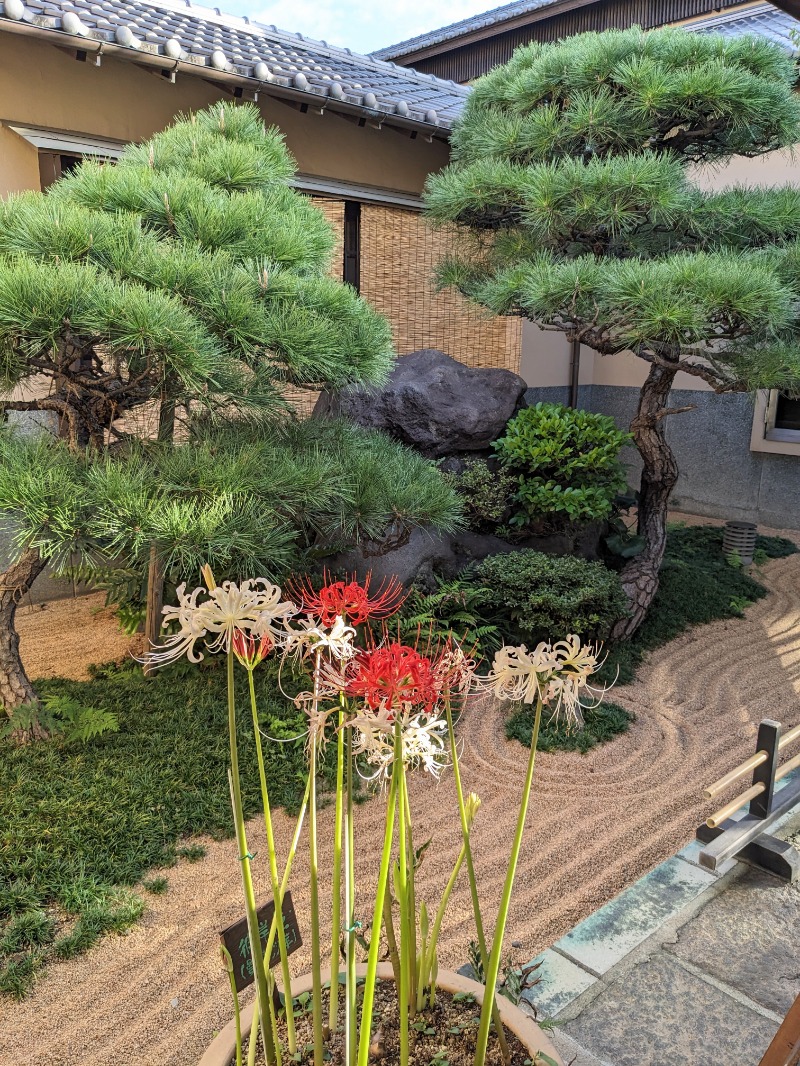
(61, 152)
(776, 423)
(54, 165)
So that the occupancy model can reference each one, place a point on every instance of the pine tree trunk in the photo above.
(15, 688)
(659, 475)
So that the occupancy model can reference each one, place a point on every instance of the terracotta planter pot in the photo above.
(222, 1050)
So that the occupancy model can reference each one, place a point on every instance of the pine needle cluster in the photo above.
(168, 300)
(572, 188)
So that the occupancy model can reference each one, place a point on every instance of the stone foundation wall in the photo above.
(719, 475)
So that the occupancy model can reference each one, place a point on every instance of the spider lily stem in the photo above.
(404, 899)
(350, 901)
(251, 1056)
(247, 877)
(226, 955)
(253, 1045)
(391, 938)
(493, 969)
(429, 954)
(473, 883)
(316, 991)
(365, 1035)
(336, 920)
(412, 899)
(277, 894)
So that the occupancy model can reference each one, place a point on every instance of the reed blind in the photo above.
(399, 253)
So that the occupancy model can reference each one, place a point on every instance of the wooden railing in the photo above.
(785, 1047)
(726, 837)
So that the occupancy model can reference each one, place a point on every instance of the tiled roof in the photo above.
(497, 16)
(168, 32)
(764, 20)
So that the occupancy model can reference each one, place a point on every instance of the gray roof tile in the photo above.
(225, 42)
(765, 20)
(496, 16)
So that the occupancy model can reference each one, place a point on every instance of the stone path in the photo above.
(685, 966)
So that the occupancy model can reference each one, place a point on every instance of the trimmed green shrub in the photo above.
(601, 724)
(486, 495)
(534, 597)
(565, 463)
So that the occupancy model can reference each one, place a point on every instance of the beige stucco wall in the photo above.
(41, 85)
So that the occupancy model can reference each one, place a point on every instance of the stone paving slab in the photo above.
(559, 982)
(749, 938)
(608, 935)
(660, 1014)
(572, 1053)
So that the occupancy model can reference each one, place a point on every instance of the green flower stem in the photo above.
(273, 929)
(226, 955)
(247, 877)
(428, 956)
(473, 882)
(365, 1035)
(505, 902)
(412, 899)
(277, 895)
(404, 900)
(350, 898)
(336, 921)
(316, 961)
(391, 939)
(252, 1047)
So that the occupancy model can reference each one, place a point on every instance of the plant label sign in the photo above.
(237, 941)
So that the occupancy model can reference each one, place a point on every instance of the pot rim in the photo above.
(222, 1049)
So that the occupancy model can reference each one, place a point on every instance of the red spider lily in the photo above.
(393, 676)
(348, 599)
(250, 651)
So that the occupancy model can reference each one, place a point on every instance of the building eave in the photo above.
(432, 125)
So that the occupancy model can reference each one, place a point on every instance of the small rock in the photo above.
(173, 1002)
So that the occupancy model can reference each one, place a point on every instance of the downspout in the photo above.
(574, 372)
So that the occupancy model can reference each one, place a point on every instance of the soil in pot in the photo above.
(442, 1035)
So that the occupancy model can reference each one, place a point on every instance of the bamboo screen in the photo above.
(399, 253)
(333, 210)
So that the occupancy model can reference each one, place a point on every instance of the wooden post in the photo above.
(155, 601)
(769, 735)
(785, 1047)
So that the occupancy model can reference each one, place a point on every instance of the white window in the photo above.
(776, 423)
(60, 152)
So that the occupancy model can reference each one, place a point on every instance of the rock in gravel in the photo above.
(434, 404)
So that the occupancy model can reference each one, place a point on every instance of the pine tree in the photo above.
(571, 185)
(158, 308)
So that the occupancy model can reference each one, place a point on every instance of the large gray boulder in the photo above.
(433, 403)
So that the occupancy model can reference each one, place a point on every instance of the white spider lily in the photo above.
(422, 737)
(338, 639)
(580, 659)
(568, 690)
(520, 675)
(254, 607)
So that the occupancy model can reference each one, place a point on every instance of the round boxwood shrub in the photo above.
(532, 596)
(565, 463)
